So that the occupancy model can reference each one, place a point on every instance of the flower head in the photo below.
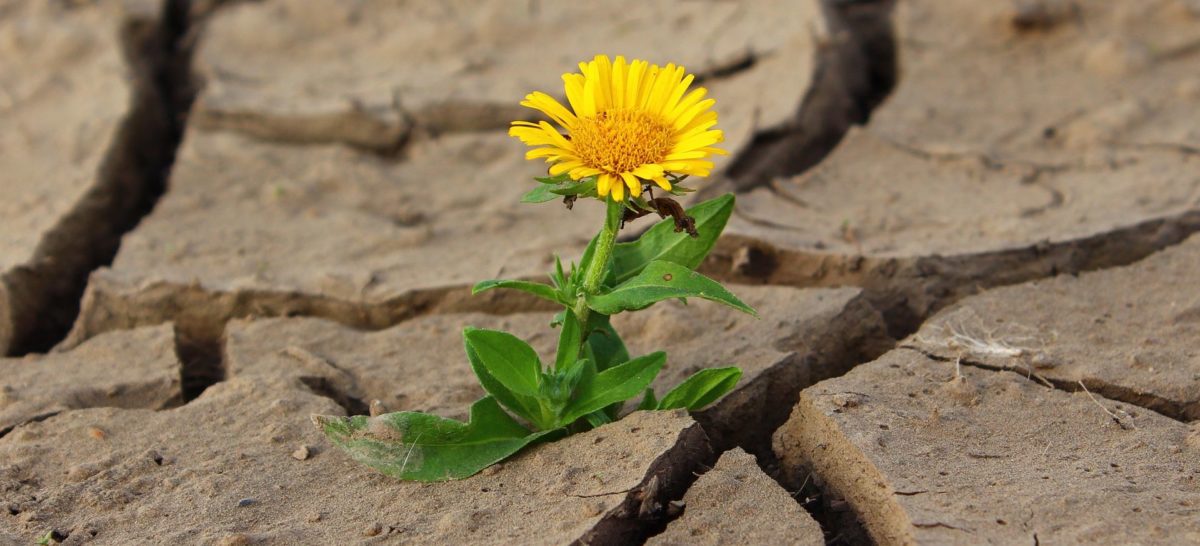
(629, 123)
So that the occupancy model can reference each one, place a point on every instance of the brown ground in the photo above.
(1017, 212)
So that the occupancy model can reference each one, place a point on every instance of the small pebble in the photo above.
(246, 502)
(315, 517)
(301, 453)
(373, 530)
(96, 432)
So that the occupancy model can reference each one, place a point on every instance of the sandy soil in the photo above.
(301, 239)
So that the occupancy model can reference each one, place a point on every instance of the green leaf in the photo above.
(539, 194)
(524, 405)
(558, 277)
(569, 340)
(417, 446)
(648, 401)
(585, 188)
(661, 242)
(597, 419)
(701, 389)
(604, 345)
(536, 288)
(509, 359)
(660, 281)
(560, 179)
(571, 376)
(613, 385)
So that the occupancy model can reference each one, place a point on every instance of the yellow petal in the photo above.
(604, 100)
(636, 70)
(573, 84)
(701, 140)
(692, 154)
(556, 138)
(559, 168)
(690, 100)
(699, 124)
(649, 76)
(584, 172)
(549, 106)
(546, 152)
(688, 115)
(620, 75)
(590, 103)
(604, 182)
(677, 93)
(648, 171)
(618, 192)
(662, 182)
(689, 166)
(662, 87)
(635, 185)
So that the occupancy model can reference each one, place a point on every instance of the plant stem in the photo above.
(594, 275)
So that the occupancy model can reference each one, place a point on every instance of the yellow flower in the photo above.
(628, 123)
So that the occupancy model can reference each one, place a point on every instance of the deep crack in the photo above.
(45, 296)
(854, 74)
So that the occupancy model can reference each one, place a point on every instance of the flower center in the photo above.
(619, 141)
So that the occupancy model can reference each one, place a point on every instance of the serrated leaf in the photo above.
(662, 243)
(538, 289)
(660, 281)
(417, 446)
(613, 385)
(527, 406)
(701, 389)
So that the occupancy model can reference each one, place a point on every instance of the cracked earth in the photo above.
(970, 229)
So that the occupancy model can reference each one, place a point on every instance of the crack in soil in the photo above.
(36, 418)
(1113, 393)
(907, 290)
(45, 296)
(200, 315)
(854, 74)
(644, 512)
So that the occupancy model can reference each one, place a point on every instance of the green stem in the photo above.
(598, 268)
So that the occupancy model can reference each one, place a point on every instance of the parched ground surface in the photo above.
(967, 227)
